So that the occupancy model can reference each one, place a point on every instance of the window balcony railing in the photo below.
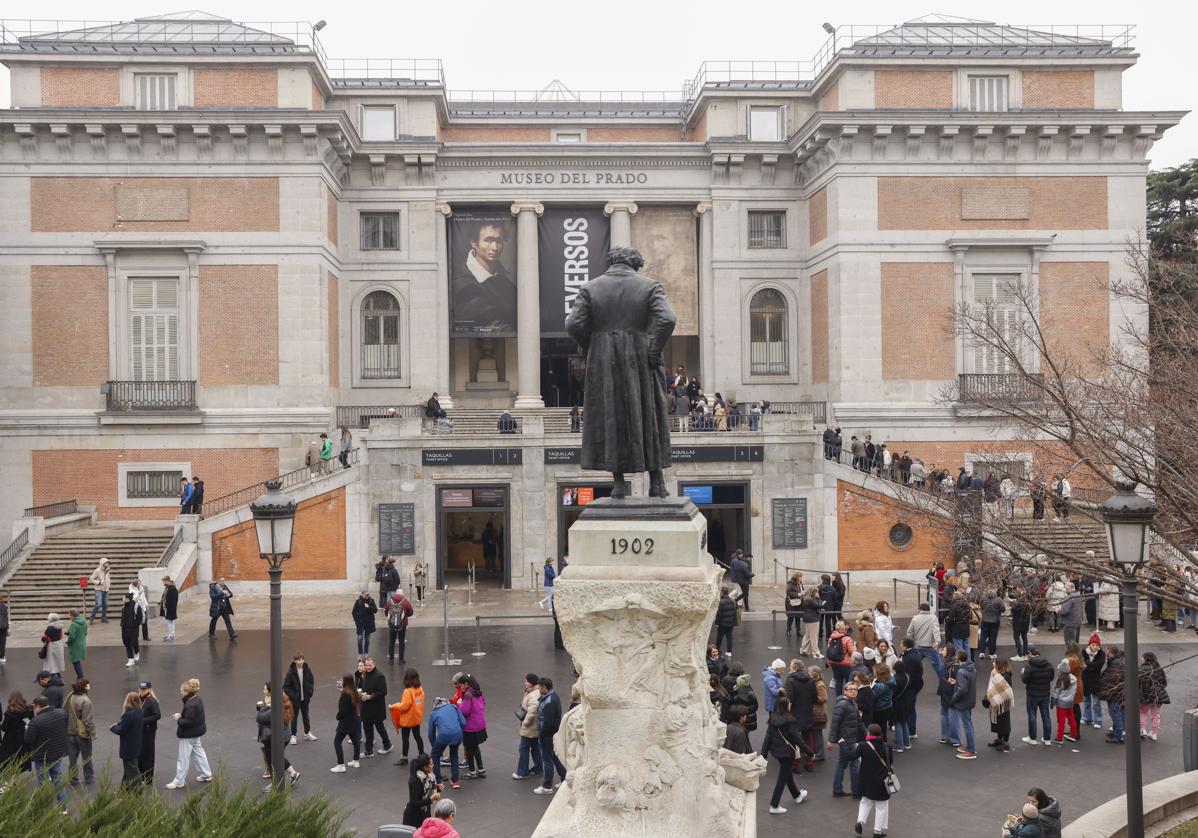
(126, 396)
(992, 387)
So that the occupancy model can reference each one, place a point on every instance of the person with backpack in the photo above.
(742, 575)
(398, 609)
(1153, 694)
(839, 656)
(388, 578)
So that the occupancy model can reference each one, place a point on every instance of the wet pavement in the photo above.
(941, 795)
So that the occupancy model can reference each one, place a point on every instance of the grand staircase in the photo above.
(1071, 537)
(49, 579)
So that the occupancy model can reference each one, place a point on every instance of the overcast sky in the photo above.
(655, 45)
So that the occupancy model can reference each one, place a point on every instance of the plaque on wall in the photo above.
(472, 456)
(717, 453)
(790, 523)
(397, 528)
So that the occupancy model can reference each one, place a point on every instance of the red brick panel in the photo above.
(98, 87)
(90, 476)
(818, 215)
(1075, 312)
(239, 324)
(317, 548)
(70, 325)
(863, 523)
(913, 89)
(917, 308)
(1050, 89)
(819, 327)
(495, 134)
(697, 133)
(829, 100)
(241, 87)
(88, 204)
(934, 203)
(632, 134)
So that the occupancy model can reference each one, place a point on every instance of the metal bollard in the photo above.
(894, 593)
(445, 659)
(773, 631)
(478, 638)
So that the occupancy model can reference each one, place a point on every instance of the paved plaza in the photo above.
(941, 795)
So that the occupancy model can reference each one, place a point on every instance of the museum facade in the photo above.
(217, 243)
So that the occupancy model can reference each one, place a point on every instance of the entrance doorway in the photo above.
(472, 532)
(562, 367)
(726, 508)
(572, 499)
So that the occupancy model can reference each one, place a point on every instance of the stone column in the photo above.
(444, 373)
(528, 305)
(706, 297)
(621, 213)
(643, 749)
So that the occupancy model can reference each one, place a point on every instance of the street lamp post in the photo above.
(274, 520)
(1127, 517)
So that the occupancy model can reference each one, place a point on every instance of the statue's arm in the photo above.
(662, 320)
(578, 321)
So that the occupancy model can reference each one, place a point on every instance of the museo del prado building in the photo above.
(217, 243)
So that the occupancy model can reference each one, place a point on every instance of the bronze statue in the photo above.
(622, 322)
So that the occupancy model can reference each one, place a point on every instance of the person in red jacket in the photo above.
(440, 825)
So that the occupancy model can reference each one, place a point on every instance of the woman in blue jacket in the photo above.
(129, 729)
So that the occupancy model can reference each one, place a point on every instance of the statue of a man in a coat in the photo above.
(622, 322)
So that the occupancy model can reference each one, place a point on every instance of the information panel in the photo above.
(790, 523)
(397, 528)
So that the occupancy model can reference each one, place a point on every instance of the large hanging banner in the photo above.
(573, 244)
(482, 272)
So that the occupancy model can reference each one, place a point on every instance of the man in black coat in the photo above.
(803, 694)
(363, 613)
(388, 580)
(742, 575)
(197, 496)
(549, 720)
(297, 686)
(1037, 676)
(622, 322)
(845, 730)
(911, 664)
(725, 619)
(151, 713)
(372, 687)
(737, 738)
(46, 741)
(956, 623)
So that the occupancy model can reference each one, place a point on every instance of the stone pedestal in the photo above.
(642, 750)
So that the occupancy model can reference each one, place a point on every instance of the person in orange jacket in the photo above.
(408, 713)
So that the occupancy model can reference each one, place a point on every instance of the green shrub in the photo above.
(214, 811)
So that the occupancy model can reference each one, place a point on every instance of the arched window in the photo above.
(380, 336)
(769, 351)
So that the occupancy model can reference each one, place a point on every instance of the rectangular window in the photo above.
(153, 484)
(1014, 469)
(567, 137)
(378, 124)
(767, 229)
(988, 93)
(765, 124)
(154, 328)
(380, 231)
(154, 91)
(996, 297)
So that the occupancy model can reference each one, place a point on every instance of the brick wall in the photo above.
(817, 209)
(864, 520)
(819, 327)
(69, 325)
(98, 87)
(1058, 89)
(698, 131)
(495, 134)
(1047, 456)
(331, 209)
(90, 476)
(88, 204)
(931, 89)
(239, 324)
(1075, 312)
(317, 99)
(334, 333)
(829, 100)
(632, 134)
(240, 87)
(917, 307)
(317, 548)
(935, 203)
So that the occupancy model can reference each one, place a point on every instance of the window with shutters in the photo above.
(767, 229)
(769, 349)
(154, 328)
(380, 230)
(154, 91)
(153, 484)
(996, 296)
(1014, 469)
(380, 336)
(988, 93)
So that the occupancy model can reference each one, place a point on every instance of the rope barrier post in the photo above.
(445, 659)
(773, 631)
(478, 638)
(894, 593)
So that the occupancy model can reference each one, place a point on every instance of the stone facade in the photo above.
(867, 199)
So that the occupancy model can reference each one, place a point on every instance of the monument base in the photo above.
(642, 750)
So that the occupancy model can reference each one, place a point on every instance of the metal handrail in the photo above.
(169, 553)
(13, 550)
(295, 477)
(123, 396)
(1024, 387)
(52, 510)
(817, 410)
(847, 575)
(360, 416)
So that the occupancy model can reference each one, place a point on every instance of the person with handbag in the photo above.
(793, 602)
(530, 734)
(784, 744)
(878, 781)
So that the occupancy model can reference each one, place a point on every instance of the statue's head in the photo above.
(629, 256)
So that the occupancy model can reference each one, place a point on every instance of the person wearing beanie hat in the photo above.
(530, 733)
(742, 694)
(1063, 697)
(398, 609)
(1024, 825)
(1093, 660)
(771, 677)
